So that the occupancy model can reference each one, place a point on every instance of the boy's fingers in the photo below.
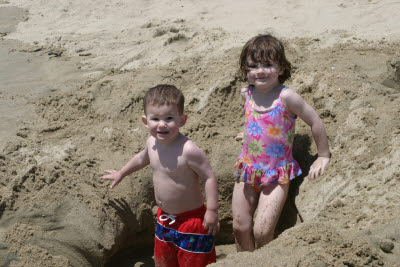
(113, 184)
(322, 170)
(207, 227)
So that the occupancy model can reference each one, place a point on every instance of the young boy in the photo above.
(185, 227)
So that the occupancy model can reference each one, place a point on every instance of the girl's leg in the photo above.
(244, 202)
(270, 205)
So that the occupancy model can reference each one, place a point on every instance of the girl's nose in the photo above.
(260, 69)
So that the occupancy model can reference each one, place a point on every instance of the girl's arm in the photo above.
(296, 105)
(138, 162)
(243, 94)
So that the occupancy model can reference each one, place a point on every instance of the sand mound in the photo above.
(54, 210)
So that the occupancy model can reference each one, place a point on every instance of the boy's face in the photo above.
(163, 122)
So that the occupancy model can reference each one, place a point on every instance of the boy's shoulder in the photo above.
(150, 141)
(189, 146)
(191, 151)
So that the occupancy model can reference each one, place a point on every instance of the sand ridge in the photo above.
(54, 210)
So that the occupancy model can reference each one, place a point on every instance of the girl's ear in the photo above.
(281, 71)
(144, 120)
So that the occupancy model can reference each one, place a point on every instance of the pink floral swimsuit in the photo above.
(266, 156)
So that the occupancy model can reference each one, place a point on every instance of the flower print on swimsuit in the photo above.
(290, 136)
(282, 163)
(254, 129)
(254, 113)
(247, 159)
(275, 131)
(256, 147)
(286, 118)
(275, 112)
(275, 150)
(270, 173)
(262, 166)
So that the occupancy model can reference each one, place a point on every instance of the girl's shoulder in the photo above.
(291, 100)
(289, 95)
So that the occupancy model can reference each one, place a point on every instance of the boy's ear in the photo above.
(183, 119)
(144, 120)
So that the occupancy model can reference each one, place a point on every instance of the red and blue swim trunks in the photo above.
(181, 240)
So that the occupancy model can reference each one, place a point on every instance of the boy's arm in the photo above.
(198, 162)
(138, 162)
(296, 105)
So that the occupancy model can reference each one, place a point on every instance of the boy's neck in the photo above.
(170, 143)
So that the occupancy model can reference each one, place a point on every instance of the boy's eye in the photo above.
(154, 119)
(169, 118)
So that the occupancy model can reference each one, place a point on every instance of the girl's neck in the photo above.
(270, 90)
(265, 99)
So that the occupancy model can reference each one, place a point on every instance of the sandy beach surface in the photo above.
(72, 75)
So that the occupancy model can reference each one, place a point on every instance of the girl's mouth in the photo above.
(162, 132)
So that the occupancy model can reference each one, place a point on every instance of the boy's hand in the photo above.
(211, 221)
(239, 137)
(113, 175)
(318, 167)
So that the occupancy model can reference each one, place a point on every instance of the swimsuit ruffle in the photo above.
(257, 177)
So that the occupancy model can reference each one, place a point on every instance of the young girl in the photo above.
(266, 164)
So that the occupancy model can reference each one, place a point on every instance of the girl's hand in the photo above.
(239, 137)
(318, 168)
(113, 175)
(211, 221)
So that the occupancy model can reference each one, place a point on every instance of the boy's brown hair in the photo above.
(164, 94)
(265, 49)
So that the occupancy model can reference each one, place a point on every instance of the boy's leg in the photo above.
(165, 254)
(190, 259)
(244, 202)
(197, 248)
(270, 205)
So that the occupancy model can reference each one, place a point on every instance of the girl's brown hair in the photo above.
(265, 49)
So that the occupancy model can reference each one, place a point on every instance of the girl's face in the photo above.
(263, 76)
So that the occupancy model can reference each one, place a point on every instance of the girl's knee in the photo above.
(240, 227)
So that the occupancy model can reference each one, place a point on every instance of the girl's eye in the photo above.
(154, 119)
(169, 118)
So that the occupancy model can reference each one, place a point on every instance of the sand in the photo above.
(72, 75)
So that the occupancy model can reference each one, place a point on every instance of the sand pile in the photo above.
(96, 59)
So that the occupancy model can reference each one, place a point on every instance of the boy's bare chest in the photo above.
(171, 164)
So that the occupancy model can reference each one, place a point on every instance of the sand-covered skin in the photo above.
(54, 209)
